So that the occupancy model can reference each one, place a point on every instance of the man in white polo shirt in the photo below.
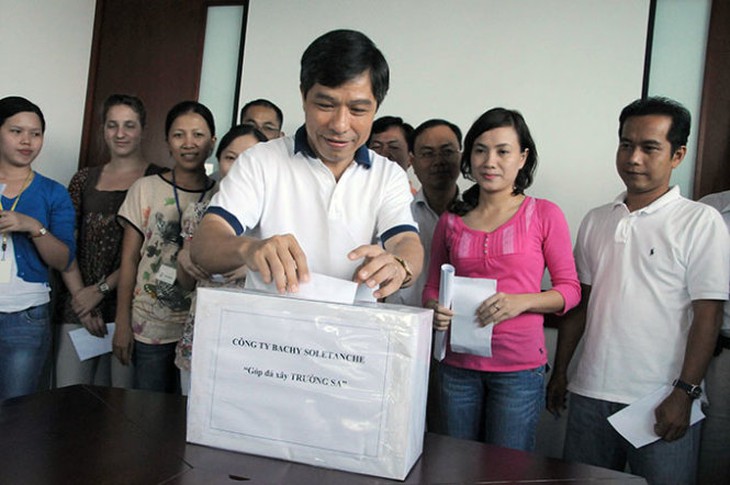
(655, 269)
(318, 201)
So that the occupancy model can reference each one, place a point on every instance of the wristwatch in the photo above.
(41, 232)
(694, 391)
(409, 273)
(103, 287)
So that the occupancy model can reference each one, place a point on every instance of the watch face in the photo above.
(104, 288)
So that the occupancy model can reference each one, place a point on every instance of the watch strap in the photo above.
(693, 390)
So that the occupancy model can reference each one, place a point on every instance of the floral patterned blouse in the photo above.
(154, 207)
(184, 351)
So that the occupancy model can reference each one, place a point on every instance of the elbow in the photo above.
(197, 250)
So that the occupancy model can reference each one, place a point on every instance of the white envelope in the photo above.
(636, 421)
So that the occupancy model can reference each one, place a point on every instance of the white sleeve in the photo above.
(240, 199)
(394, 213)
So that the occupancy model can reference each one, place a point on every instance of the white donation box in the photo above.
(332, 385)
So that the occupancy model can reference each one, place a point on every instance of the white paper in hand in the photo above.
(446, 296)
(319, 288)
(636, 421)
(88, 346)
(467, 334)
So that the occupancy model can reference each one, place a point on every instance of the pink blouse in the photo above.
(515, 254)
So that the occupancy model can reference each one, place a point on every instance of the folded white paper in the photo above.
(364, 294)
(319, 288)
(88, 346)
(636, 421)
(468, 336)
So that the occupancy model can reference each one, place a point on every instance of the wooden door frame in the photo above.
(712, 168)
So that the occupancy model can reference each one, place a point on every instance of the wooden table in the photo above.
(98, 435)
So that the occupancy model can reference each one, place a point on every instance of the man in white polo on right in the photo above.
(655, 268)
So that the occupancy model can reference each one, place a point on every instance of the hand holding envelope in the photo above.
(464, 296)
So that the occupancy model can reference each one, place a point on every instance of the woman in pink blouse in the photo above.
(498, 232)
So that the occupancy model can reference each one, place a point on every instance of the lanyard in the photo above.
(26, 183)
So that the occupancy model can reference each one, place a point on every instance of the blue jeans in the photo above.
(154, 368)
(25, 340)
(501, 408)
(592, 440)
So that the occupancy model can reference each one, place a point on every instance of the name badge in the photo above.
(6, 265)
(167, 274)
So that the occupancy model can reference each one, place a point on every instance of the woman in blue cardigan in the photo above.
(36, 233)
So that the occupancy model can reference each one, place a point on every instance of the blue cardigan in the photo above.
(47, 201)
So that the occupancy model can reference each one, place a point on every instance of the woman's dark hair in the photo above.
(235, 132)
(497, 118)
(12, 105)
(133, 102)
(340, 56)
(185, 107)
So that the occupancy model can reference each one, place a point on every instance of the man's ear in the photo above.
(678, 156)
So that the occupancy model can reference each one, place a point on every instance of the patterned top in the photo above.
(99, 236)
(159, 305)
(184, 351)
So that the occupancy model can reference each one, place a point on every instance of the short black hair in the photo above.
(185, 107)
(133, 102)
(658, 105)
(235, 132)
(340, 56)
(430, 124)
(12, 105)
(384, 123)
(266, 104)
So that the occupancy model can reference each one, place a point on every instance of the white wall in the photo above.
(45, 47)
(568, 66)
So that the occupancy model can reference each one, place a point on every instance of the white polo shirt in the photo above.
(280, 187)
(645, 268)
(721, 202)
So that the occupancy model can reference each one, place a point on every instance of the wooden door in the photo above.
(149, 48)
(712, 170)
